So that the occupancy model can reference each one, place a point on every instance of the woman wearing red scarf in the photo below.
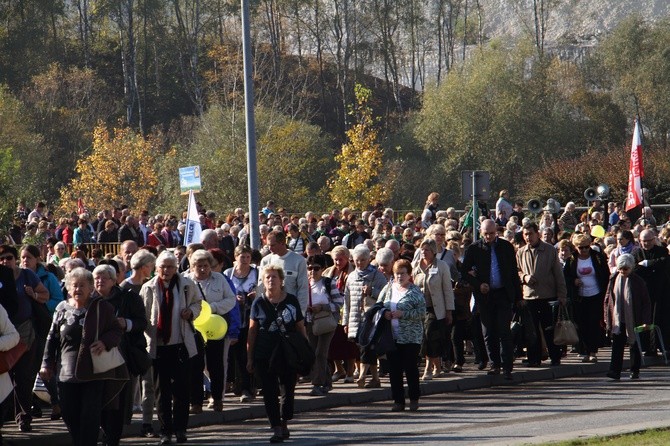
(172, 302)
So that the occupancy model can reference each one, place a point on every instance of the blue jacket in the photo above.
(53, 285)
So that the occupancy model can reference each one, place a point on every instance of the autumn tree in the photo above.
(358, 181)
(121, 169)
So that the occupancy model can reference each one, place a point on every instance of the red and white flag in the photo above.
(80, 206)
(635, 172)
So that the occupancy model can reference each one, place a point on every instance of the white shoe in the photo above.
(246, 397)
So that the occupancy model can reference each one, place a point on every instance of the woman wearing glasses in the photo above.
(587, 275)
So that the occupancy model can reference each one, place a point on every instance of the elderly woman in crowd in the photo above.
(130, 314)
(216, 291)
(271, 312)
(627, 306)
(171, 302)
(83, 326)
(406, 310)
(438, 233)
(587, 276)
(360, 293)
(31, 293)
(324, 296)
(434, 280)
(341, 350)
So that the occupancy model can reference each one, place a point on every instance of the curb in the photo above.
(339, 397)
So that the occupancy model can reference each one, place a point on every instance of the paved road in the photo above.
(508, 415)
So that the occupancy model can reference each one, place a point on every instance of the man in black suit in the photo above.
(490, 267)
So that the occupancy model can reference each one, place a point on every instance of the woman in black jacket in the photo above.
(587, 275)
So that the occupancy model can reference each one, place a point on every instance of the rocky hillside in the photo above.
(570, 21)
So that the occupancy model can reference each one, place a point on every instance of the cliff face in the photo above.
(569, 21)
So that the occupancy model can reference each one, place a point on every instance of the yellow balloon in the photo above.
(598, 231)
(205, 313)
(214, 329)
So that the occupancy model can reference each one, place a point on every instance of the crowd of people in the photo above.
(374, 294)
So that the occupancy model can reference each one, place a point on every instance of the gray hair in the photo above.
(201, 254)
(361, 251)
(339, 249)
(166, 257)
(208, 234)
(105, 269)
(142, 258)
(64, 263)
(430, 244)
(625, 261)
(384, 256)
(78, 273)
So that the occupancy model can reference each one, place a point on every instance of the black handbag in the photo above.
(292, 352)
(137, 360)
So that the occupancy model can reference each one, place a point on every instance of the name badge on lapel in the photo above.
(432, 271)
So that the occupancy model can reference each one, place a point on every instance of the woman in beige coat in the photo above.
(432, 276)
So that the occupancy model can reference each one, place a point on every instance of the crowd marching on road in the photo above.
(113, 315)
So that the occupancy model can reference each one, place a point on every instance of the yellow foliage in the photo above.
(357, 181)
(121, 169)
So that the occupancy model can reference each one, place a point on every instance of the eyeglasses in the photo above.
(9, 257)
(313, 268)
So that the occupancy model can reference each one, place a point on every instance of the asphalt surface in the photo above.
(540, 404)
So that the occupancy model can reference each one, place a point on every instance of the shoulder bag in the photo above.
(322, 322)
(108, 359)
(565, 331)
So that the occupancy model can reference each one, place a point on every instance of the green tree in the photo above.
(503, 111)
(293, 161)
(634, 64)
(358, 181)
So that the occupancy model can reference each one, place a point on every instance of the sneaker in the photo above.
(317, 391)
(373, 384)
(338, 376)
(457, 368)
(246, 397)
(348, 379)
